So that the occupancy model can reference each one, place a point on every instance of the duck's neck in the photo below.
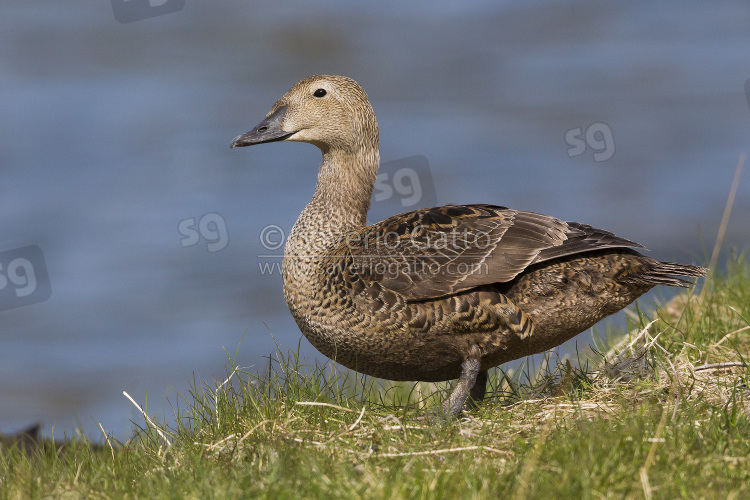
(344, 189)
(346, 179)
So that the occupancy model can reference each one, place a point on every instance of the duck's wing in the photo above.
(584, 238)
(434, 252)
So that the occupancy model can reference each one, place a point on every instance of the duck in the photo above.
(441, 293)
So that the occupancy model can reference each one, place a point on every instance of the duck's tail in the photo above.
(666, 273)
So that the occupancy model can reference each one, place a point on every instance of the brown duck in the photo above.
(437, 293)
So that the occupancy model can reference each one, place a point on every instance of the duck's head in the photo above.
(331, 112)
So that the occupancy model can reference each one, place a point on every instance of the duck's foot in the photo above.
(469, 390)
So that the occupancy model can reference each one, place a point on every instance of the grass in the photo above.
(651, 417)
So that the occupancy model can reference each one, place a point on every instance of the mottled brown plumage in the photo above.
(437, 293)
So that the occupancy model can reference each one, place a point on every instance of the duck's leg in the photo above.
(478, 390)
(471, 383)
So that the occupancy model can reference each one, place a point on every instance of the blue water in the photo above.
(112, 134)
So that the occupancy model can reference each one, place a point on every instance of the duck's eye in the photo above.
(319, 93)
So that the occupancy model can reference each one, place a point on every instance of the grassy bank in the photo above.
(663, 414)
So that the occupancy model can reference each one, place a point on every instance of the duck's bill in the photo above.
(269, 130)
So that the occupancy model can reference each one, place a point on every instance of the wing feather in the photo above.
(433, 252)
